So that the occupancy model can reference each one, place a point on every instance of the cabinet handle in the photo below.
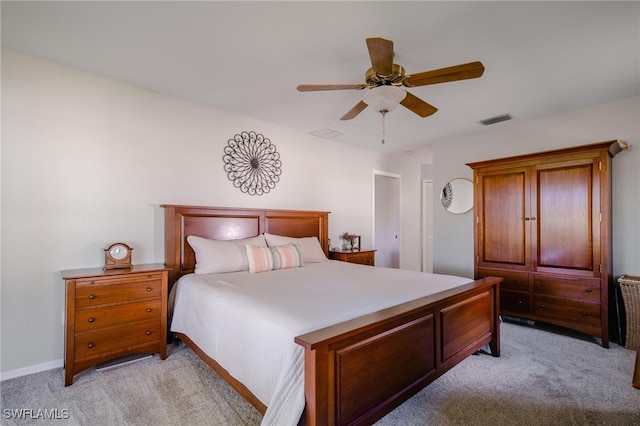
(589, 290)
(533, 218)
(149, 289)
(527, 218)
(543, 285)
(149, 309)
(92, 282)
(589, 314)
(91, 319)
(91, 297)
(90, 345)
(148, 333)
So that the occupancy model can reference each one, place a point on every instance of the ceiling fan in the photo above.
(385, 79)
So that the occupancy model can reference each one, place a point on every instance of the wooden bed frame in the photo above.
(359, 370)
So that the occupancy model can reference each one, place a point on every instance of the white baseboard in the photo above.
(59, 363)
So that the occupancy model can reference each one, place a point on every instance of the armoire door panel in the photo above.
(504, 233)
(564, 219)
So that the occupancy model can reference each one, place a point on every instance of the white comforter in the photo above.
(247, 322)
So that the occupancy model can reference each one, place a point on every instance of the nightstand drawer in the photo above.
(111, 278)
(107, 292)
(117, 339)
(94, 319)
(362, 257)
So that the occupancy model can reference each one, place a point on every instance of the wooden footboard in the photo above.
(358, 371)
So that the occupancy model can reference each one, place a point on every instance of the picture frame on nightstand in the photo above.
(355, 244)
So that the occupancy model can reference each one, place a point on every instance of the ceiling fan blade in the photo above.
(443, 75)
(418, 106)
(318, 87)
(360, 106)
(381, 54)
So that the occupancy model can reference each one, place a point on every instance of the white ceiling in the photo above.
(541, 58)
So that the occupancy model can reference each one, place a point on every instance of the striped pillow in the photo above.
(309, 246)
(262, 259)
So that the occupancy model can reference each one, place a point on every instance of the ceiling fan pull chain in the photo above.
(384, 114)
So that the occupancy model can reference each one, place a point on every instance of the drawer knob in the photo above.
(92, 282)
(542, 285)
(148, 333)
(91, 297)
(589, 290)
(519, 282)
(149, 289)
(90, 345)
(91, 319)
(543, 306)
(589, 314)
(149, 309)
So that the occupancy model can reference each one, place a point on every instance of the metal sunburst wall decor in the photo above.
(252, 163)
(447, 195)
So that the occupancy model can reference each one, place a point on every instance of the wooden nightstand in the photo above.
(363, 257)
(114, 313)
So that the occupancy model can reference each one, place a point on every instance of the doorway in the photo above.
(386, 218)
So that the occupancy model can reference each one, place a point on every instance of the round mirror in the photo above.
(457, 195)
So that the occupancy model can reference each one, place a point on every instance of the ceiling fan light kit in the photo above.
(384, 98)
(384, 80)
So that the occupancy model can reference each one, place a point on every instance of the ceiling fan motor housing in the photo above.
(396, 77)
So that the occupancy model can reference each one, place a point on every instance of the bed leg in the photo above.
(494, 344)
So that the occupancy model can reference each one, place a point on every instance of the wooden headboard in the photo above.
(226, 223)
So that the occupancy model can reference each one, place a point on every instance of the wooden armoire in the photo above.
(543, 223)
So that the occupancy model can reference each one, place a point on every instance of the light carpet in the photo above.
(544, 377)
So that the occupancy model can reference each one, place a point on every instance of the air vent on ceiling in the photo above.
(497, 119)
(327, 133)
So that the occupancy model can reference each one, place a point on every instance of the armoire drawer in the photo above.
(514, 302)
(584, 289)
(567, 310)
(516, 281)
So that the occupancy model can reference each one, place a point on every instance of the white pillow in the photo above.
(263, 259)
(219, 256)
(309, 246)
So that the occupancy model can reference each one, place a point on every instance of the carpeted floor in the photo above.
(543, 377)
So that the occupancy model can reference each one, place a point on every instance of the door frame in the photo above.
(427, 222)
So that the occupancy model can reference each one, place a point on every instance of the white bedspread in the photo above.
(247, 322)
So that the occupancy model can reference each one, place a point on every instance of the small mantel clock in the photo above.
(117, 256)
